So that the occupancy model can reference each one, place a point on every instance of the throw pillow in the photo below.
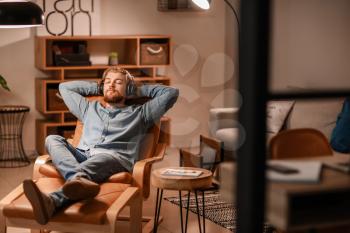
(276, 114)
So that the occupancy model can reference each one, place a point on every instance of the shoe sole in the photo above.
(75, 190)
(33, 194)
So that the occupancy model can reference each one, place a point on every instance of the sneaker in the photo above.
(43, 206)
(80, 188)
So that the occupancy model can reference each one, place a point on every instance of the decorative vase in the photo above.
(113, 59)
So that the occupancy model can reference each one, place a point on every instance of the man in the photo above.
(110, 141)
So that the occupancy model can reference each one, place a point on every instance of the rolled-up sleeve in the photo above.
(163, 98)
(73, 93)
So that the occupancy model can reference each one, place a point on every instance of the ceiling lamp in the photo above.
(20, 14)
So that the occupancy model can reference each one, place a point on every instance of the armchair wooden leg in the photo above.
(136, 215)
(149, 220)
(2, 223)
(5, 201)
(3, 226)
(148, 228)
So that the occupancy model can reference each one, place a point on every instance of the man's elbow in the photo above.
(61, 88)
(174, 94)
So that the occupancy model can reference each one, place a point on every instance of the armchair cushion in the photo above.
(317, 114)
(222, 118)
(277, 113)
(48, 170)
(121, 177)
(92, 211)
(230, 137)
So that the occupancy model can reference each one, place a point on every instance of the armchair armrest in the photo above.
(220, 118)
(38, 162)
(142, 170)
(130, 197)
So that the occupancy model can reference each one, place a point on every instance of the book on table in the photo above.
(181, 172)
(294, 171)
(343, 166)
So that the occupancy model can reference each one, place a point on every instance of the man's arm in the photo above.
(163, 98)
(73, 95)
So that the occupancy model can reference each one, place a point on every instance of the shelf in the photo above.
(133, 54)
(98, 67)
(151, 79)
(92, 67)
(48, 103)
(131, 51)
(103, 37)
(43, 129)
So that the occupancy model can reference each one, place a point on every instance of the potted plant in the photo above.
(3, 83)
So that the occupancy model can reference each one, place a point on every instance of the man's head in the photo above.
(114, 84)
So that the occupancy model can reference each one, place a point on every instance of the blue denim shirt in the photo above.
(116, 131)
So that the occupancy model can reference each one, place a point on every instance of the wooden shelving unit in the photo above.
(58, 120)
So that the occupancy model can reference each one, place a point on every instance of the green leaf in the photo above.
(3, 83)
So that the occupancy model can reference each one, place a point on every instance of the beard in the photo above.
(113, 97)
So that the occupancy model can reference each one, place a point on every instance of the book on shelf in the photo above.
(181, 172)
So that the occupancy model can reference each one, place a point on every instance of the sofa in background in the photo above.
(223, 125)
(318, 114)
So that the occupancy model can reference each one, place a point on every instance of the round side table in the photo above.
(181, 183)
(11, 146)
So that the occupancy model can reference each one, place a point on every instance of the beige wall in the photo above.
(194, 35)
(203, 32)
(311, 44)
(17, 66)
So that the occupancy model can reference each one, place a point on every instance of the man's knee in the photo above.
(54, 140)
(101, 166)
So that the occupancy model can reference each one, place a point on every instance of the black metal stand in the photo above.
(157, 210)
(253, 77)
(203, 212)
(183, 227)
(11, 146)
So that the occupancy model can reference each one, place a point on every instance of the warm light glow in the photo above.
(204, 4)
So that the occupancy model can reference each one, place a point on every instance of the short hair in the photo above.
(115, 69)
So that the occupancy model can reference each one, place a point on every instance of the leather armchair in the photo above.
(96, 215)
(223, 125)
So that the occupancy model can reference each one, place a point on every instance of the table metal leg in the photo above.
(155, 213)
(182, 230)
(157, 210)
(203, 212)
(188, 207)
(199, 219)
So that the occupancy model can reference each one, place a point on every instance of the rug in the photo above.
(216, 210)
